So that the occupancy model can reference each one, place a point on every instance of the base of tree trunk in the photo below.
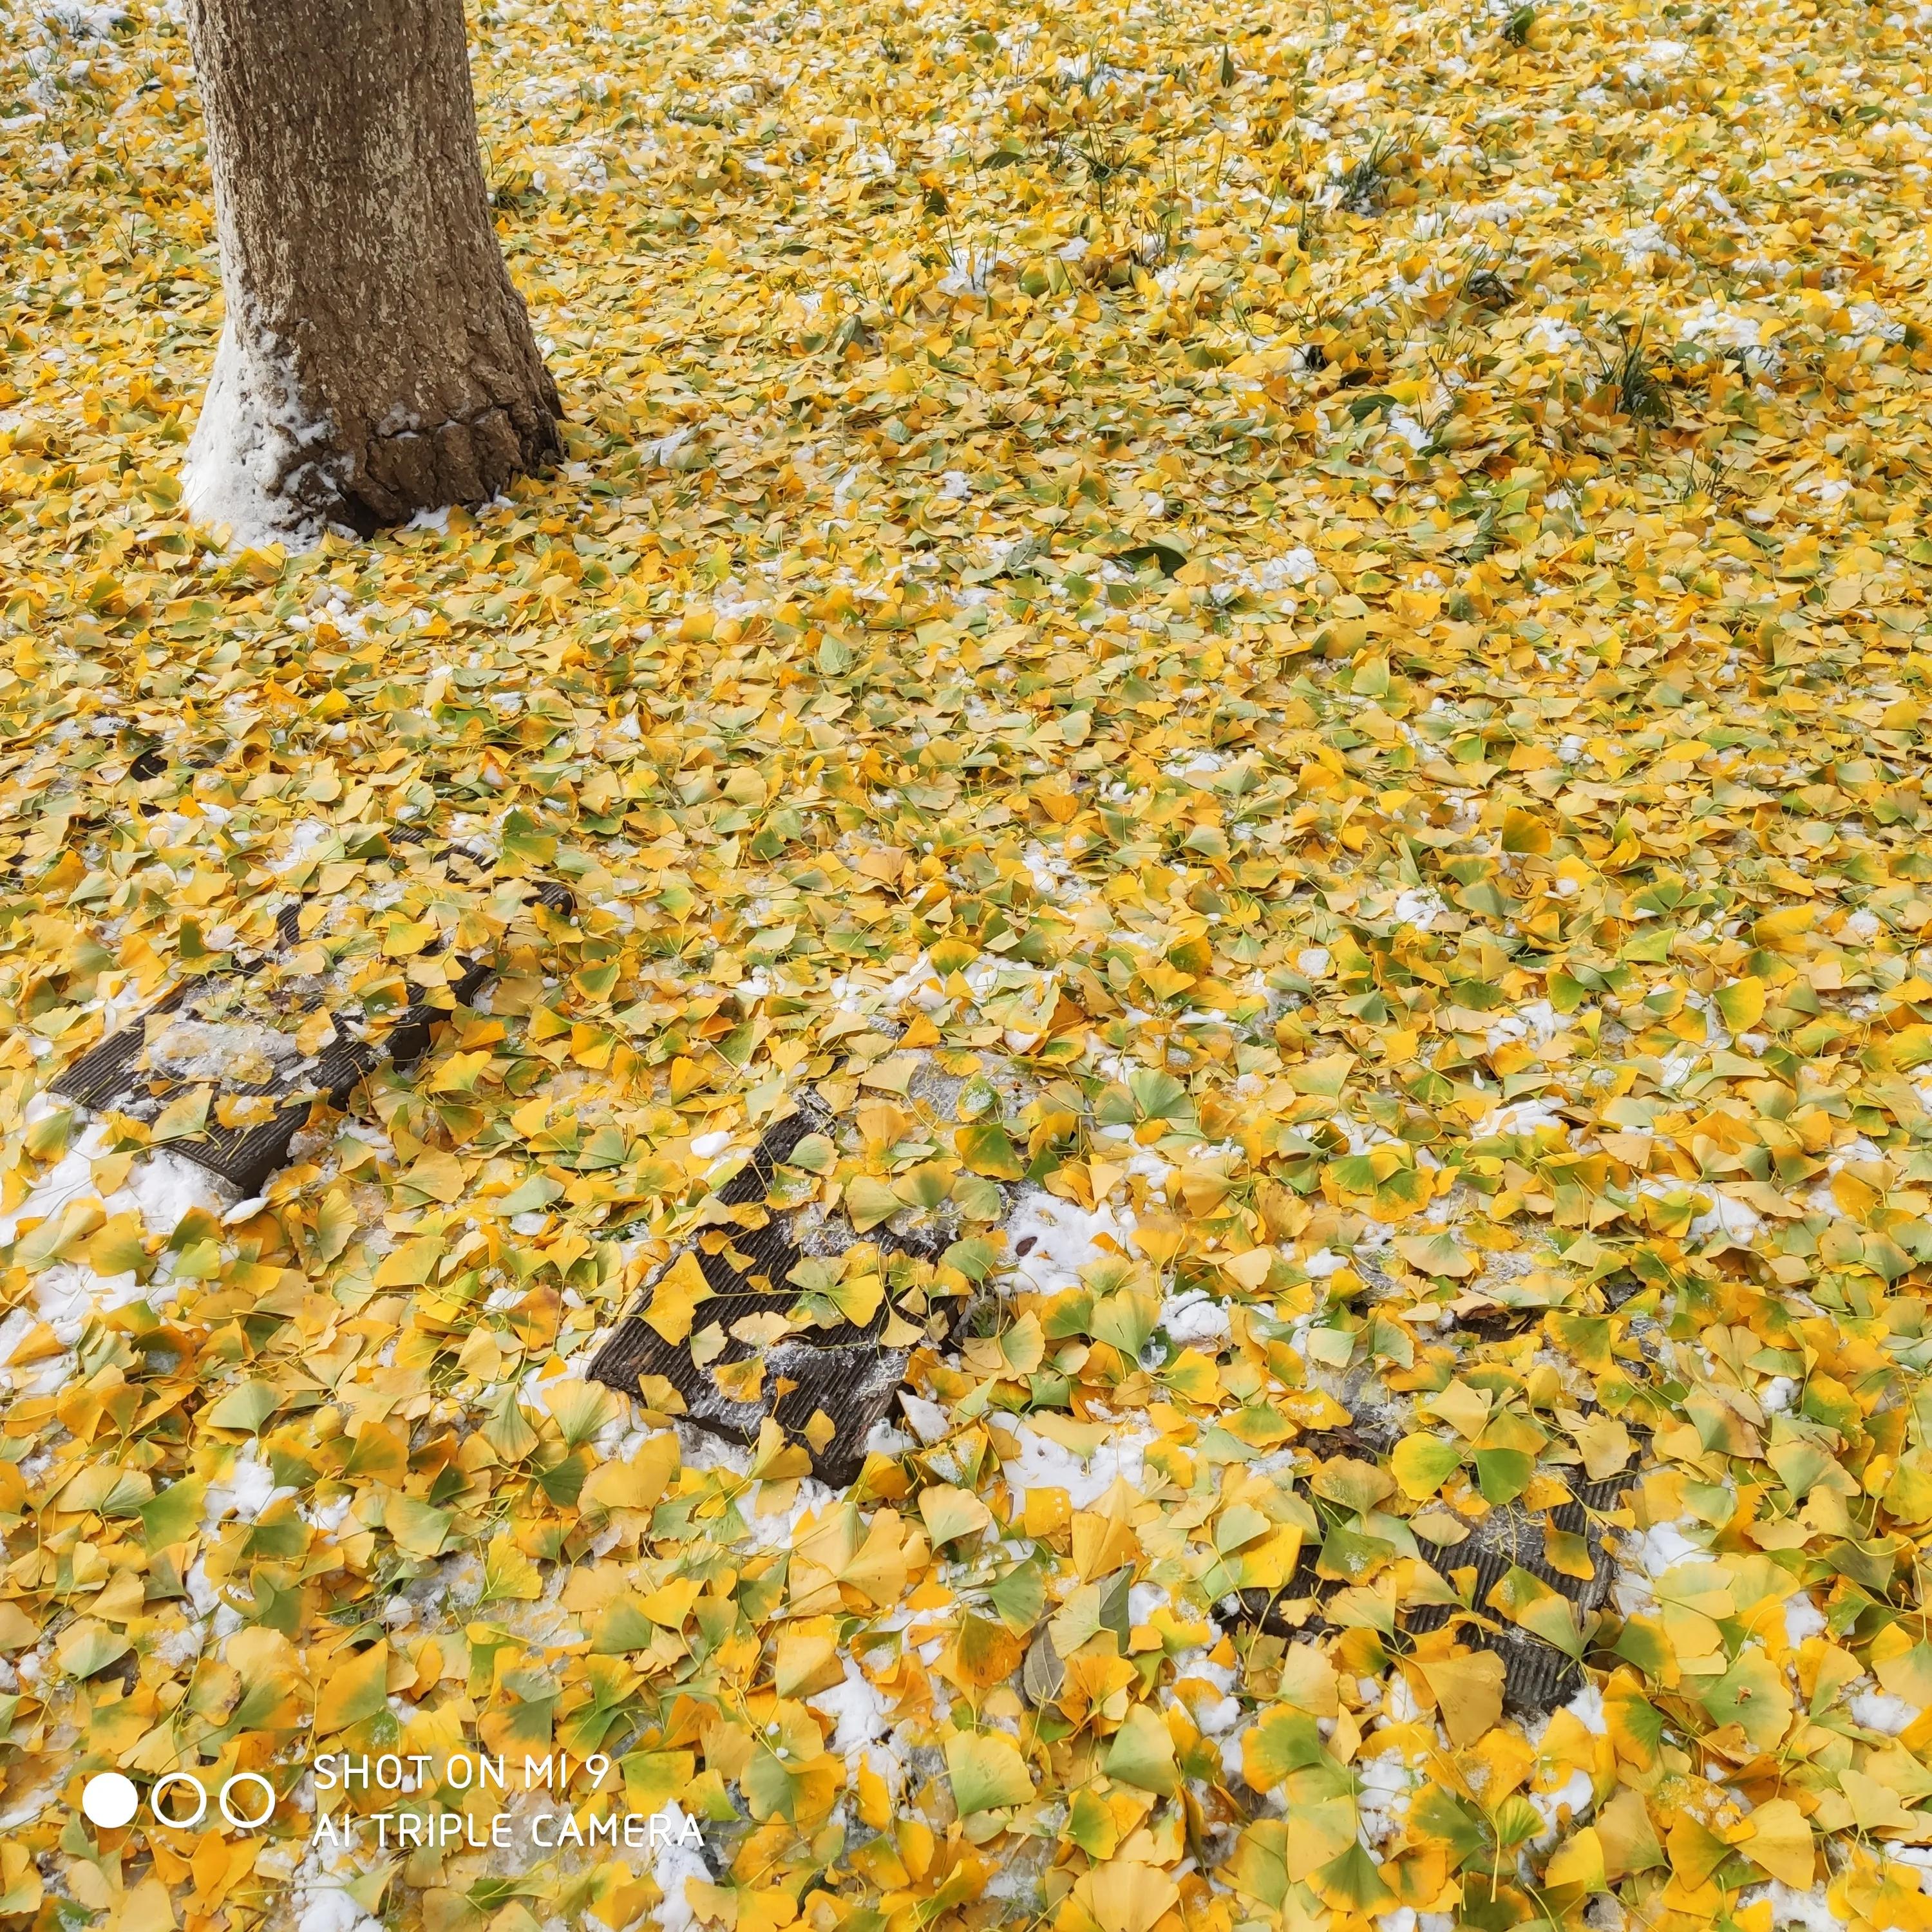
(260, 463)
(376, 360)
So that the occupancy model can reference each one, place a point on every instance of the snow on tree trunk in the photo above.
(375, 360)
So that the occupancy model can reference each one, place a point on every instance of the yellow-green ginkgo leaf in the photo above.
(1469, 1693)
(88, 1646)
(1275, 1743)
(1436, 1254)
(1350, 1881)
(354, 1688)
(1780, 1842)
(1421, 1464)
(948, 1512)
(509, 1575)
(1141, 1754)
(1753, 1695)
(1741, 1004)
(986, 1772)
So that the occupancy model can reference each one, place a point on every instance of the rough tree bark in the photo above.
(375, 360)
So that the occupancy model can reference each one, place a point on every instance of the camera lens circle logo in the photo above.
(247, 1800)
(109, 1799)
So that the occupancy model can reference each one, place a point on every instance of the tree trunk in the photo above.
(375, 360)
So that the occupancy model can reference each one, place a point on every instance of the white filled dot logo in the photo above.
(109, 1800)
(247, 1800)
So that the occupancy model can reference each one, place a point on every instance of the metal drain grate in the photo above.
(826, 1386)
(116, 1073)
(1537, 1675)
(112, 1075)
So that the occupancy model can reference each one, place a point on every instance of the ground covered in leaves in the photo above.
(1332, 598)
